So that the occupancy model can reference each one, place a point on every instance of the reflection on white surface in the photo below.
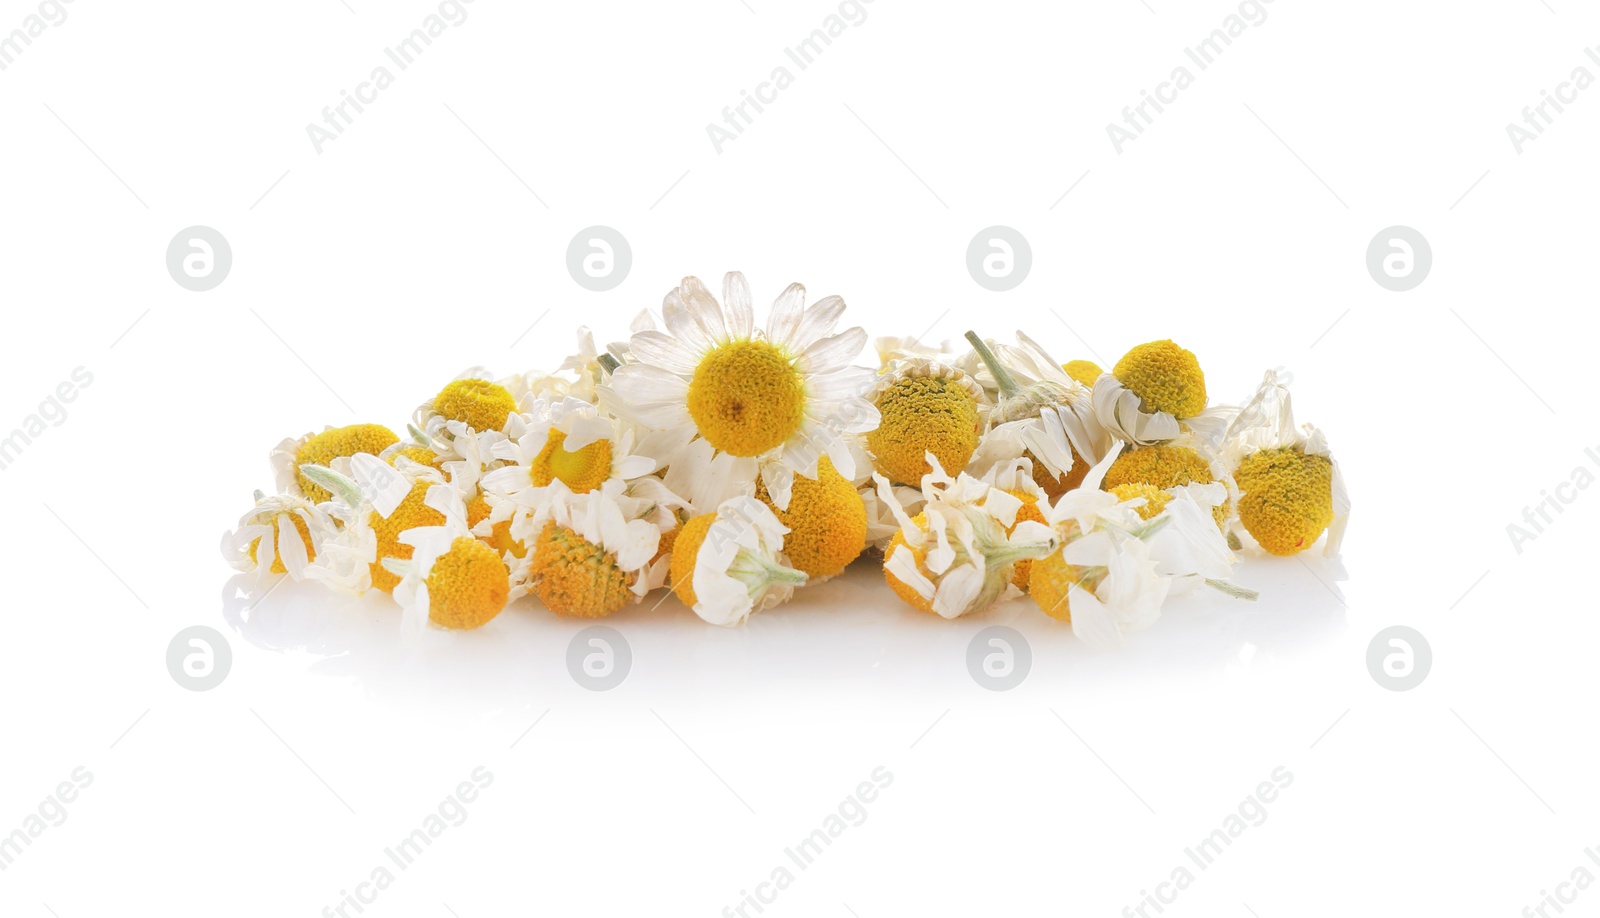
(848, 635)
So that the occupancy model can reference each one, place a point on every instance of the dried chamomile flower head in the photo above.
(1016, 479)
(451, 580)
(787, 393)
(1290, 487)
(924, 407)
(280, 535)
(374, 503)
(472, 402)
(1149, 391)
(827, 522)
(1151, 498)
(594, 554)
(321, 449)
(1085, 372)
(957, 556)
(1040, 412)
(729, 564)
(1115, 568)
(1162, 466)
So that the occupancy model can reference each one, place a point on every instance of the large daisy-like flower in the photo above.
(280, 535)
(787, 394)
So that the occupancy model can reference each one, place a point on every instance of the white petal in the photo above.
(736, 301)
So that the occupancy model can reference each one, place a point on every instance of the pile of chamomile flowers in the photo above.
(733, 464)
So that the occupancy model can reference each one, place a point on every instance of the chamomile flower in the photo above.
(280, 535)
(595, 552)
(924, 407)
(374, 504)
(1164, 465)
(472, 401)
(451, 579)
(1152, 394)
(1115, 569)
(1290, 487)
(1040, 412)
(787, 394)
(827, 522)
(730, 563)
(956, 557)
(1016, 479)
(321, 449)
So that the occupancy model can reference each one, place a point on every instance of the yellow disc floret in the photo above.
(1165, 377)
(301, 528)
(922, 414)
(1162, 466)
(580, 470)
(411, 512)
(499, 538)
(1287, 498)
(577, 578)
(1049, 582)
(418, 454)
(685, 549)
(1054, 486)
(919, 555)
(1154, 498)
(339, 442)
(1084, 371)
(468, 585)
(477, 403)
(827, 521)
(747, 397)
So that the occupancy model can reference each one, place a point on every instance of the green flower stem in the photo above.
(1002, 376)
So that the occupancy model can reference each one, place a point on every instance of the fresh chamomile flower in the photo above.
(451, 579)
(1086, 372)
(956, 557)
(1115, 569)
(375, 503)
(1290, 487)
(321, 449)
(1040, 412)
(730, 563)
(924, 407)
(471, 400)
(827, 522)
(1152, 394)
(595, 553)
(280, 535)
(787, 394)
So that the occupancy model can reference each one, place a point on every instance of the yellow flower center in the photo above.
(1159, 466)
(1165, 377)
(827, 522)
(922, 414)
(1055, 487)
(411, 512)
(1154, 498)
(468, 585)
(580, 470)
(747, 397)
(1021, 570)
(685, 549)
(499, 539)
(1084, 371)
(1287, 498)
(919, 555)
(323, 448)
(477, 403)
(577, 578)
(418, 454)
(1049, 582)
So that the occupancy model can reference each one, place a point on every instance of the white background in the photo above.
(432, 234)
